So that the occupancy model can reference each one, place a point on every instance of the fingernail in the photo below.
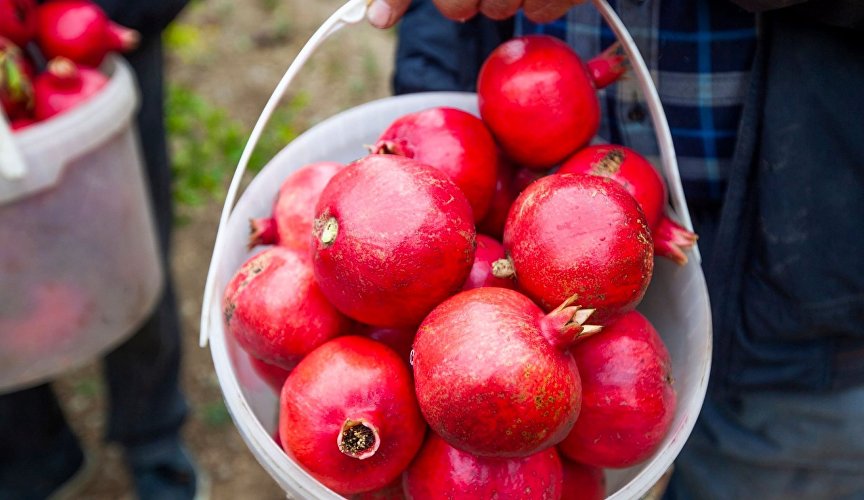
(379, 14)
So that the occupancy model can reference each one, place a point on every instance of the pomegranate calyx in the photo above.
(565, 324)
(607, 67)
(503, 268)
(385, 147)
(609, 164)
(262, 231)
(358, 438)
(326, 229)
(671, 239)
(122, 38)
(63, 73)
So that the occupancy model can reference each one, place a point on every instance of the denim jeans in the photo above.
(769, 445)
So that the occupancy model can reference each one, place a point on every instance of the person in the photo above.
(40, 456)
(764, 101)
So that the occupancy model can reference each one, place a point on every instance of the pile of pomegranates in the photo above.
(455, 313)
(50, 56)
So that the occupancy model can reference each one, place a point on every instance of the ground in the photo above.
(232, 54)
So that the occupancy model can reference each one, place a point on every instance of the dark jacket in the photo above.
(786, 272)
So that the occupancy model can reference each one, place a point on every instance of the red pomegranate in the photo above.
(399, 339)
(582, 482)
(539, 100)
(63, 86)
(348, 414)
(582, 237)
(81, 31)
(493, 373)
(488, 252)
(453, 141)
(644, 183)
(393, 238)
(441, 471)
(18, 21)
(293, 214)
(510, 181)
(275, 310)
(274, 376)
(628, 397)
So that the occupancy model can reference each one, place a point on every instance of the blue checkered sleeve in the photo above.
(699, 53)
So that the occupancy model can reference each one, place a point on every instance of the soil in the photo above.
(240, 53)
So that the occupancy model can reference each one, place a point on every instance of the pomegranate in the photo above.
(294, 208)
(488, 252)
(641, 180)
(16, 88)
(18, 21)
(493, 373)
(399, 339)
(63, 86)
(539, 100)
(392, 239)
(392, 491)
(579, 236)
(274, 376)
(453, 141)
(628, 398)
(348, 414)
(276, 311)
(442, 471)
(510, 181)
(582, 482)
(81, 31)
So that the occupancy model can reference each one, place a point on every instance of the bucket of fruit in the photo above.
(417, 298)
(79, 264)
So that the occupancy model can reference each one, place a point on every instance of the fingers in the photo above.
(385, 13)
(458, 10)
(544, 11)
(499, 9)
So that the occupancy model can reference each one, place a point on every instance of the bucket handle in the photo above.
(354, 11)
(12, 166)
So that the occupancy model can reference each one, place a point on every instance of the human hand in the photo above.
(385, 13)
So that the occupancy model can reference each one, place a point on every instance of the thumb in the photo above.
(385, 13)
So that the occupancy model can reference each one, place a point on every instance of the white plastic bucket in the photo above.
(676, 302)
(79, 260)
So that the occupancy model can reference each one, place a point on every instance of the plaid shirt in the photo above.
(699, 53)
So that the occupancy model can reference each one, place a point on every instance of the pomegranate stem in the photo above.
(358, 439)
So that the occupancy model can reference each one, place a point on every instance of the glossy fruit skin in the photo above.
(18, 21)
(275, 309)
(582, 482)
(582, 235)
(628, 400)
(441, 471)
(293, 211)
(80, 30)
(64, 86)
(351, 378)
(488, 251)
(392, 239)
(453, 141)
(489, 379)
(537, 97)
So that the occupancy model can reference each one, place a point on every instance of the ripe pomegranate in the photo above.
(488, 252)
(294, 209)
(392, 239)
(493, 373)
(81, 31)
(63, 86)
(274, 376)
(628, 398)
(18, 21)
(642, 181)
(348, 414)
(399, 339)
(441, 471)
(16, 88)
(510, 181)
(453, 141)
(276, 311)
(582, 482)
(579, 236)
(539, 100)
